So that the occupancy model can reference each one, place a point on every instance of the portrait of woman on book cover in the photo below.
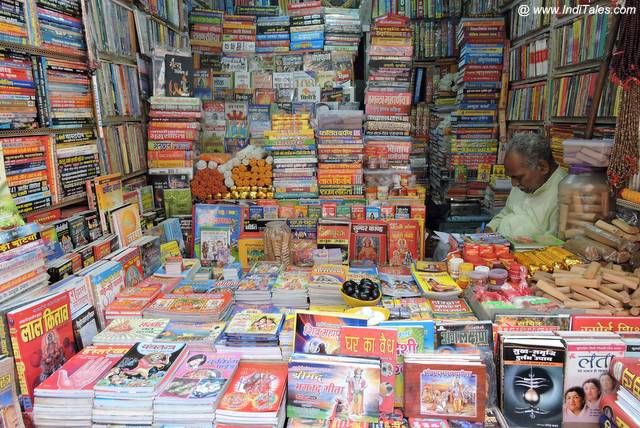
(575, 405)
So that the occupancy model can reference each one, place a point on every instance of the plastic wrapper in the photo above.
(609, 239)
(587, 152)
(277, 243)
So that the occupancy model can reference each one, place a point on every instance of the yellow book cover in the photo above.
(436, 284)
(126, 224)
(169, 249)
(250, 251)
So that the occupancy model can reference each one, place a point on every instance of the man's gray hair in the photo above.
(531, 147)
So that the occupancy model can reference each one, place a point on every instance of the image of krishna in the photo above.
(356, 386)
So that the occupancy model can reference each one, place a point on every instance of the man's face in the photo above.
(522, 175)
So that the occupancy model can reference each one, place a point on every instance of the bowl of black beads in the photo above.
(363, 293)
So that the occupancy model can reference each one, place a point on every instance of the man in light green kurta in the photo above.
(532, 206)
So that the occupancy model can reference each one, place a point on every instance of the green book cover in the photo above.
(177, 202)
(146, 199)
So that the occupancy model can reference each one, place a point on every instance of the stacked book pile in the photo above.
(255, 289)
(340, 153)
(125, 147)
(127, 331)
(64, 92)
(62, 390)
(272, 34)
(30, 171)
(290, 290)
(205, 32)
(77, 161)
(325, 282)
(191, 307)
(22, 261)
(239, 34)
(125, 394)
(292, 147)
(342, 28)
(439, 126)
(14, 26)
(191, 395)
(131, 301)
(496, 195)
(61, 26)
(253, 334)
(17, 91)
(307, 32)
(177, 132)
(388, 96)
(474, 124)
(620, 407)
(262, 387)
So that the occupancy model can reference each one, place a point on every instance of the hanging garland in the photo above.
(625, 61)
(624, 156)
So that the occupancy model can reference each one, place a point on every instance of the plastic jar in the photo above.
(478, 279)
(463, 277)
(454, 267)
(483, 269)
(583, 197)
(497, 277)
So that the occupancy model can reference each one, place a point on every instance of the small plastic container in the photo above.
(454, 267)
(483, 269)
(463, 277)
(497, 277)
(587, 152)
(478, 279)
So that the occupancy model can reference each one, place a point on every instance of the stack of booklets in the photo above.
(255, 396)
(272, 34)
(239, 34)
(173, 136)
(17, 90)
(14, 24)
(205, 32)
(325, 282)
(342, 28)
(496, 195)
(307, 32)
(340, 153)
(291, 143)
(388, 96)
(65, 92)
(290, 290)
(125, 394)
(255, 289)
(77, 161)
(253, 329)
(196, 335)
(31, 184)
(125, 100)
(191, 307)
(435, 39)
(127, 331)
(474, 124)
(191, 395)
(61, 26)
(620, 407)
(71, 386)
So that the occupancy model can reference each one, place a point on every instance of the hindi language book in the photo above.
(319, 332)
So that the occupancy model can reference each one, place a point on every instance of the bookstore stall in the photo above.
(345, 213)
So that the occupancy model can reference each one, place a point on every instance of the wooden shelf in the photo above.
(116, 58)
(49, 53)
(134, 175)
(528, 80)
(434, 60)
(529, 36)
(573, 68)
(163, 21)
(116, 120)
(75, 200)
(526, 122)
(41, 131)
(569, 119)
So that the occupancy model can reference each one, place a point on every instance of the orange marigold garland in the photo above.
(208, 184)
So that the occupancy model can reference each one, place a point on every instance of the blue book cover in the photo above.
(217, 215)
(427, 325)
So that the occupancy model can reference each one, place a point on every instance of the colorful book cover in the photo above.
(143, 368)
(451, 310)
(200, 378)
(131, 262)
(256, 387)
(328, 275)
(42, 341)
(108, 194)
(404, 242)
(290, 281)
(334, 234)
(192, 333)
(105, 283)
(334, 387)
(319, 332)
(437, 285)
(126, 224)
(368, 243)
(83, 371)
(254, 324)
(250, 251)
(466, 336)
(397, 281)
(378, 343)
(10, 415)
(217, 215)
(604, 323)
(178, 76)
(215, 244)
(131, 330)
(177, 202)
(445, 389)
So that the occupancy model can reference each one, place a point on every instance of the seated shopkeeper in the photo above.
(532, 206)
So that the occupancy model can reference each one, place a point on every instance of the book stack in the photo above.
(78, 161)
(205, 32)
(128, 331)
(253, 329)
(64, 91)
(17, 90)
(239, 34)
(21, 261)
(474, 124)
(290, 290)
(61, 26)
(496, 195)
(325, 282)
(272, 34)
(105, 16)
(262, 387)
(307, 33)
(191, 395)
(14, 24)
(125, 394)
(620, 407)
(191, 307)
(342, 28)
(30, 170)
(340, 153)
(388, 97)
(255, 289)
(118, 89)
(434, 39)
(62, 390)
(292, 146)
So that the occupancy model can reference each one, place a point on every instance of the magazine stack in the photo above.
(191, 307)
(191, 395)
(125, 394)
(254, 334)
(290, 290)
(127, 331)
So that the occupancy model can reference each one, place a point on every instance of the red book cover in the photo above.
(256, 387)
(42, 341)
(169, 155)
(380, 343)
(101, 250)
(140, 292)
(368, 246)
(627, 372)
(131, 262)
(404, 241)
(605, 323)
(614, 416)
